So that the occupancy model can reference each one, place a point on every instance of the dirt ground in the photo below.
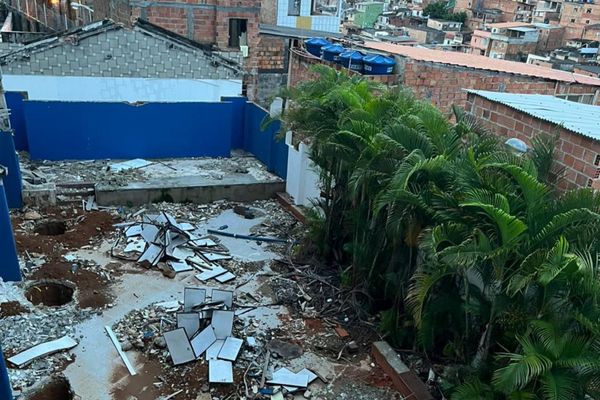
(12, 308)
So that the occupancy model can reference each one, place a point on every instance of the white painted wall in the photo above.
(302, 182)
(83, 88)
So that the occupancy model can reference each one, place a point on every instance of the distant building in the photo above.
(577, 17)
(425, 35)
(507, 40)
(510, 10)
(366, 13)
(589, 70)
(445, 26)
(551, 37)
(320, 15)
(547, 11)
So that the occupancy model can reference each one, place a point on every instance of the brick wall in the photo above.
(577, 154)
(575, 17)
(442, 84)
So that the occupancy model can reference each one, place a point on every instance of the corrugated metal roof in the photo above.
(481, 62)
(576, 117)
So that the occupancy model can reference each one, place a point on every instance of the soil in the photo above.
(189, 377)
(81, 229)
(12, 308)
(314, 324)
(92, 290)
(50, 294)
(57, 389)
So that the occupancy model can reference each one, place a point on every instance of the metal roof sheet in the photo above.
(481, 62)
(583, 119)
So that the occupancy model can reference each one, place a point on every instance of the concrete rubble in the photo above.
(268, 332)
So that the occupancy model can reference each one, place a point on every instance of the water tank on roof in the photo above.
(314, 45)
(376, 64)
(353, 60)
(332, 52)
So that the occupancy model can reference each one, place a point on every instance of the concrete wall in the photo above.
(85, 88)
(579, 155)
(77, 130)
(302, 182)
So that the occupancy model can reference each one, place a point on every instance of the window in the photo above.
(294, 7)
(572, 20)
(588, 11)
(237, 32)
(587, 21)
(597, 160)
(576, 9)
(324, 7)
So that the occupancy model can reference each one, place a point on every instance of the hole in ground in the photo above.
(56, 389)
(51, 228)
(50, 293)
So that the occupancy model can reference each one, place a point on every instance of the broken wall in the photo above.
(14, 101)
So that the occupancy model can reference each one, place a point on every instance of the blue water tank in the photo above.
(376, 64)
(353, 60)
(332, 52)
(314, 45)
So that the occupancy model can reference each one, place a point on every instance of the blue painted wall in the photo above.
(12, 182)
(79, 130)
(5, 389)
(15, 100)
(237, 126)
(9, 262)
(263, 144)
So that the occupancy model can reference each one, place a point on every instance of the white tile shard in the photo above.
(43, 349)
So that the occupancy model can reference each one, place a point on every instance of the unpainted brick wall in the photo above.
(577, 154)
(443, 84)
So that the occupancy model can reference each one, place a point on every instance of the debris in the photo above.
(245, 212)
(246, 237)
(212, 353)
(352, 347)
(190, 322)
(230, 349)
(341, 332)
(202, 341)
(32, 215)
(286, 378)
(284, 349)
(226, 296)
(222, 323)
(131, 164)
(220, 371)
(179, 346)
(113, 338)
(25, 357)
(193, 297)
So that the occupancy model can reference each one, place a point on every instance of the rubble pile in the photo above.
(207, 330)
(159, 240)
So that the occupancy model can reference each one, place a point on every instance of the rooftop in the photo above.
(583, 119)
(284, 31)
(505, 25)
(481, 62)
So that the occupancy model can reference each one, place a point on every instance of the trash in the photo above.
(43, 349)
(226, 277)
(220, 371)
(285, 378)
(226, 296)
(179, 266)
(179, 346)
(245, 212)
(211, 273)
(251, 341)
(117, 345)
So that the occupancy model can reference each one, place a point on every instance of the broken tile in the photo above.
(203, 340)
(182, 253)
(226, 277)
(179, 266)
(179, 346)
(134, 230)
(211, 273)
(289, 379)
(230, 348)
(137, 245)
(216, 256)
(222, 323)
(193, 297)
(25, 357)
(212, 353)
(153, 254)
(149, 232)
(226, 296)
(220, 371)
(190, 322)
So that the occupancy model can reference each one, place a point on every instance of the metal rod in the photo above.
(247, 237)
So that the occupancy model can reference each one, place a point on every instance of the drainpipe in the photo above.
(9, 268)
(5, 390)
